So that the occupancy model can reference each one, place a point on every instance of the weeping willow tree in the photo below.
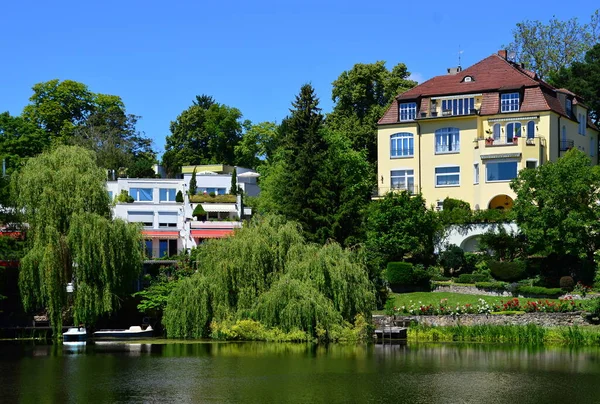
(72, 237)
(267, 272)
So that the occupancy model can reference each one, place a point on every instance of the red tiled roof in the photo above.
(492, 73)
(490, 76)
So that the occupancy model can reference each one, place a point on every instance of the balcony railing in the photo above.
(503, 141)
(383, 191)
(445, 148)
(566, 144)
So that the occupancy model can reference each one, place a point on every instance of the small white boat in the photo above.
(75, 334)
(134, 331)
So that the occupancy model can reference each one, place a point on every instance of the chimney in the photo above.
(454, 70)
(502, 53)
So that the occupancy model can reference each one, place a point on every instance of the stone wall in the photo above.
(541, 319)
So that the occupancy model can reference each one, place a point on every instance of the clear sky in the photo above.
(252, 55)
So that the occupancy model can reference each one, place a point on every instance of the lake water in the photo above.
(288, 373)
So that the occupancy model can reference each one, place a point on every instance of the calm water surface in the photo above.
(282, 373)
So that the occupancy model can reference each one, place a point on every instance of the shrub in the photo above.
(198, 211)
(471, 262)
(472, 278)
(491, 286)
(179, 197)
(507, 271)
(399, 273)
(539, 291)
(452, 259)
(124, 197)
(567, 283)
(211, 194)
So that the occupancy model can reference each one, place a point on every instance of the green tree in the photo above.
(205, 133)
(257, 145)
(361, 97)
(233, 190)
(72, 238)
(399, 228)
(267, 272)
(69, 113)
(583, 78)
(557, 206)
(316, 178)
(546, 48)
(193, 183)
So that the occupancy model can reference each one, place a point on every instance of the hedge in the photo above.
(507, 271)
(492, 286)
(539, 291)
(472, 278)
(404, 274)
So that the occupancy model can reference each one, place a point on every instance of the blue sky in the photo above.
(250, 55)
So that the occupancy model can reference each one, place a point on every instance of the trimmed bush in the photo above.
(198, 211)
(399, 273)
(491, 286)
(179, 197)
(539, 291)
(507, 271)
(472, 278)
(452, 259)
(567, 283)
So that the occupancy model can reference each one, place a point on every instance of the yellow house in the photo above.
(466, 134)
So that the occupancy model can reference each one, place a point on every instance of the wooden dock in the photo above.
(391, 333)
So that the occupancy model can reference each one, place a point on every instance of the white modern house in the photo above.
(169, 227)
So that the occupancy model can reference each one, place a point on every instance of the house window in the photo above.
(216, 191)
(148, 245)
(141, 194)
(530, 130)
(447, 176)
(501, 171)
(402, 145)
(513, 130)
(531, 164)
(447, 140)
(408, 111)
(476, 173)
(496, 131)
(439, 205)
(167, 219)
(509, 102)
(163, 248)
(569, 107)
(403, 179)
(146, 218)
(458, 106)
(582, 124)
(167, 194)
(110, 196)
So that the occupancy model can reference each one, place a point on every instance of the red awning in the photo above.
(212, 233)
(13, 234)
(160, 234)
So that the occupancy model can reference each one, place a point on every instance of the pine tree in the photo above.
(233, 190)
(193, 183)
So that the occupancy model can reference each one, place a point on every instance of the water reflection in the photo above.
(267, 372)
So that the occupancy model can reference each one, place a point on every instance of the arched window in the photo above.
(513, 130)
(402, 145)
(447, 140)
(496, 131)
(530, 130)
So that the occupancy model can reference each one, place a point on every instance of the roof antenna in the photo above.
(459, 53)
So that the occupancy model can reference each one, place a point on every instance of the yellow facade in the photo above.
(474, 155)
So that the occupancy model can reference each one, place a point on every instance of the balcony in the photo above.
(503, 141)
(210, 224)
(566, 144)
(380, 192)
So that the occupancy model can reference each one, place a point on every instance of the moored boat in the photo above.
(132, 332)
(75, 334)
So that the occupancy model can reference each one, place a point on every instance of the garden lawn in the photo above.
(434, 298)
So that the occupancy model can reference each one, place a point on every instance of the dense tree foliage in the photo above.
(71, 237)
(316, 178)
(557, 206)
(205, 133)
(268, 273)
(69, 113)
(361, 96)
(547, 47)
(583, 78)
(257, 145)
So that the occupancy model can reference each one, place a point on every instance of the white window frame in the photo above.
(137, 192)
(406, 177)
(512, 126)
(499, 161)
(569, 107)
(436, 176)
(407, 111)
(458, 106)
(167, 199)
(475, 173)
(398, 139)
(510, 102)
(447, 140)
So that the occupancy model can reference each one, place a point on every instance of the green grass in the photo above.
(426, 298)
